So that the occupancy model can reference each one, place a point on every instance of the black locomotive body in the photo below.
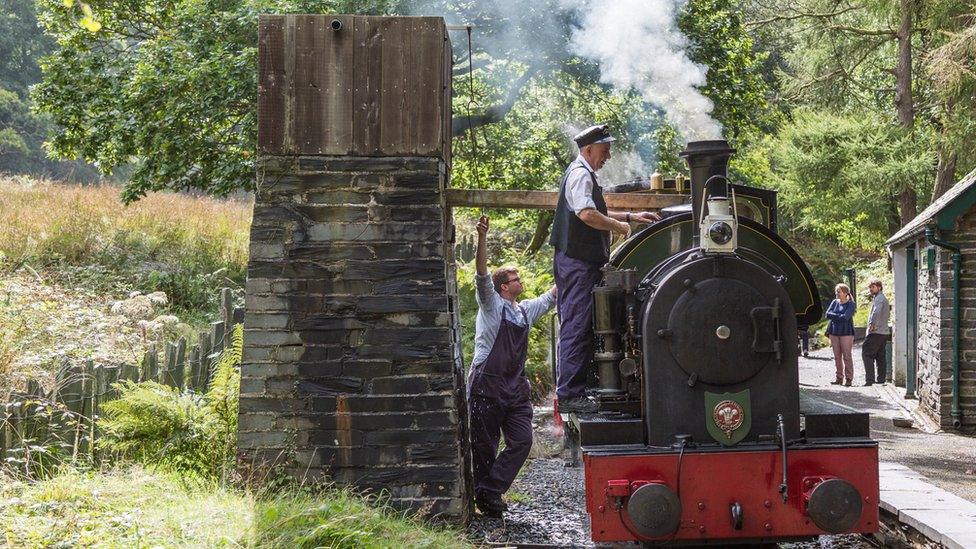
(700, 436)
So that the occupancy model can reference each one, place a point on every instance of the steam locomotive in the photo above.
(700, 438)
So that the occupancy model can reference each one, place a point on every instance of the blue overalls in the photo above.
(498, 400)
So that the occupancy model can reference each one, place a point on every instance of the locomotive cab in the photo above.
(700, 436)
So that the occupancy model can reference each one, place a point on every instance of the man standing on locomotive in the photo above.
(498, 391)
(581, 236)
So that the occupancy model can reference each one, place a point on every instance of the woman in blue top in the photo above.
(840, 329)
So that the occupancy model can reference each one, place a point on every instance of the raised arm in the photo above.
(481, 257)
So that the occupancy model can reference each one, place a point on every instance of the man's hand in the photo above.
(645, 217)
(871, 328)
(621, 228)
(482, 226)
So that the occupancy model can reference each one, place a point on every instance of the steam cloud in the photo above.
(638, 45)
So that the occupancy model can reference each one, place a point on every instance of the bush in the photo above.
(160, 426)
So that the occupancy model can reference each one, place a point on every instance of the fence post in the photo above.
(178, 372)
(217, 335)
(130, 372)
(206, 349)
(192, 381)
(227, 310)
(150, 364)
(169, 365)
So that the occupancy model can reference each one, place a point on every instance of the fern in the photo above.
(160, 426)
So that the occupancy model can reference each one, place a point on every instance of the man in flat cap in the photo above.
(581, 236)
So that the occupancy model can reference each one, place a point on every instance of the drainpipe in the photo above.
(956, 270)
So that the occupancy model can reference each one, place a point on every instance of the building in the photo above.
(934, 262)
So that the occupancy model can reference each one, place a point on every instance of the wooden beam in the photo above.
(546, 200)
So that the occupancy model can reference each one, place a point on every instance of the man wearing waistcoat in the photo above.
(581, 236)
(498, 390)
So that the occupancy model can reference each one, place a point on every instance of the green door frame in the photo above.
(911, 323)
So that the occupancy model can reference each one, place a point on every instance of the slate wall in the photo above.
(352, 369)
(934, 387)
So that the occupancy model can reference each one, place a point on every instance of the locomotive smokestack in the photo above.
(705, 159)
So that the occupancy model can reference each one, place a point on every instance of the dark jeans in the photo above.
(804, 340)
(873, 353)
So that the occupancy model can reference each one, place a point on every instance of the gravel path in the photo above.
(545, 507)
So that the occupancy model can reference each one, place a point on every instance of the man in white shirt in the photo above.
(498, 390)
(581, 236)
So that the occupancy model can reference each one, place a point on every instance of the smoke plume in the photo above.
(638, 45)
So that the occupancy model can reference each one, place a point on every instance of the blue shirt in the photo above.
(841, 317)
(490, 306)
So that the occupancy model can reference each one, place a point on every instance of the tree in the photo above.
(838, 172)
(951, 65)
(21, 132)
(169, 87)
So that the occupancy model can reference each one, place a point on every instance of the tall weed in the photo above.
(84, 236)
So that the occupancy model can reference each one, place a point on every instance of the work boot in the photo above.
(490, 505)
(578, 405)
(837, 381)
(848, 383)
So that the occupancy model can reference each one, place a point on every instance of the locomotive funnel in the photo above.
(706, 159)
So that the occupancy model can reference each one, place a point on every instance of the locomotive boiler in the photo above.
(700, 437)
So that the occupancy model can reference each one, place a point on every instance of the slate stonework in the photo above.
(352, 366)
(935, 333)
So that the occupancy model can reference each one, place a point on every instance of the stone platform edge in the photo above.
(942, 517)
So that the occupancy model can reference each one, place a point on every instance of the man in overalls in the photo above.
(498, 391)
(581, 236)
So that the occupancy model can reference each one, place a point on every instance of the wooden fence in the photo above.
(66, 413)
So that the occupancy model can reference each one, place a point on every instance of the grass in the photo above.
(138, 508)
(515, 496)
(83, 236)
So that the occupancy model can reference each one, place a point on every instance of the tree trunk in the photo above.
(945, 174)
(894, 219)
(903, 70)
(904, 104)
(543, 222)
(907, 205)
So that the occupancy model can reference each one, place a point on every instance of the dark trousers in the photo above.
(873, 353)
(490, 418)
(804, 340)
(575, 280)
